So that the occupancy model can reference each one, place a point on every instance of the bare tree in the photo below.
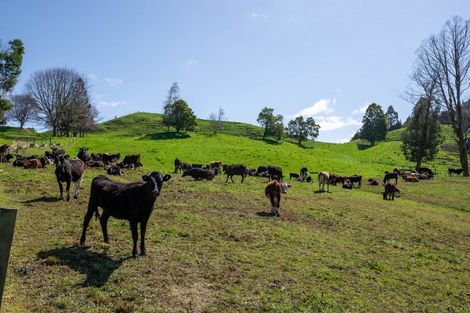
(216, 121)
(61, 95)
(172, 97)
(442, 73)
(23, 109)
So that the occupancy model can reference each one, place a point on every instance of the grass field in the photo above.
(211, 248)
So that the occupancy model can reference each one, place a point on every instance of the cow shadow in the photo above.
(44, 199)
(97, 267)
(265, 214)
(321, 191)
(166, 136)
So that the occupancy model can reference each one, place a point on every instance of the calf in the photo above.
(132, 201)
(347, 184)
(95, 164)
(96, 157)
(304, 172)
(131, 161)
(83, 154)
(390, 190)
(324, 178)
(114, 170)
(425, 170)
(199, 173)
(109, 158)
(457, 171)
(275, 173)
(6, 157)
(20, 161)
(295, 175)
(69, 171)
(261, 169)
(235, 169)
(180, 165)
(373, 182)
(33, 163)
(356, 179)
(273, 190)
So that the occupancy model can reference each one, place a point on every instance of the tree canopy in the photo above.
(302, 129)
(393, 122)
(182, 116)
(374, 124)
(272, 124)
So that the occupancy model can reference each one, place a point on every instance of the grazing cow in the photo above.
(83, 154)
(215, 165)
(392, 175)
(132, 201)
(373, 182)
(109, 158)
(69, 171)
(425, 170)
(131, 161)
(114, 170)
(261, 169)
(390, 190)
(273, 190)
(324, 178)
(199, 173)
(95, 164)
(275, 173)
(347, 184)
(33, 163)
(234, 169)
(457, 171)
(295, 175)
(180, 165)
(355, 179)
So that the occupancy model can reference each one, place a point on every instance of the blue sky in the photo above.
(326, 59)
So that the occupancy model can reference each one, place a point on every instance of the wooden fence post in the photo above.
(7, 227)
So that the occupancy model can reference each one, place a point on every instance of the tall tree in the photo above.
(23, 109)
(172, 96)
(270, 122)
(444, 63)
(302, 129)
(392, 119)
(374, 124)
(216, 121)
(182, 116)
(11, 59)
(422, 136)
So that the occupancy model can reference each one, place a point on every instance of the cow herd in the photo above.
(135, 201)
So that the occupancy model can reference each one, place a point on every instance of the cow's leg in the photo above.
(67, 189)
(135, 237)
(231, 178)
(243, 178)
(104, 225)
(77, 187)
(86, 221)
(226, 181)
(143, 228)
(61, 188)
(328, 187)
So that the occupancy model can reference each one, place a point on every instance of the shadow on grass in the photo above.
(166, 136)
(44, 199)
(265, 214)
(97, 267)
(269, 141)
(320, 191)
(362, 146)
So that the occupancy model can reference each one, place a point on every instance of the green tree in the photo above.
(422, 136)
(11, 59)
(302, 129)
(392, 119)
(374, 124)
(172, 96)
(271, 123)
(182, 117)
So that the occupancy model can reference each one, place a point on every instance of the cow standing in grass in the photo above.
(324, 178)
(234, 169)
(273, 191)
(132, 201)
(68, 171)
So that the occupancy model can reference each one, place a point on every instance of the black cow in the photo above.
(275, 173)
(347, 184)
(133, 202)
(392, 175)
(109, 158)
(83, 154)
(235, 169)
(114, 170)
(196, 165)
(180, 165)
(131, 161)
(457, 171)
(67, 171)
(261, 169)
(304, 172)
(425, 170)
(95, 164)
(199, 173)
(96, 157)
(6, 157)
(295, 175)
(20, 161)
(356, 179)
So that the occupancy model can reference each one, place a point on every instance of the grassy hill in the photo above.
(211, 247)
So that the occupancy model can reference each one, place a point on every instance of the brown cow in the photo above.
(273, 190)
(33, 163)
(390, 190)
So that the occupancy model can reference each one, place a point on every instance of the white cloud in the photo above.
(191, 62)
(113, 82)
(328, 123)
(321, 106)
(111, 104)
(362, 109)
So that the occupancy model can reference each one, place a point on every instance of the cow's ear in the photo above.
(145, 178)
(167, 177)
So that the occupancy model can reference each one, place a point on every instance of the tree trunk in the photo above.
(462, 152)
(418, 163)
(54, 132)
